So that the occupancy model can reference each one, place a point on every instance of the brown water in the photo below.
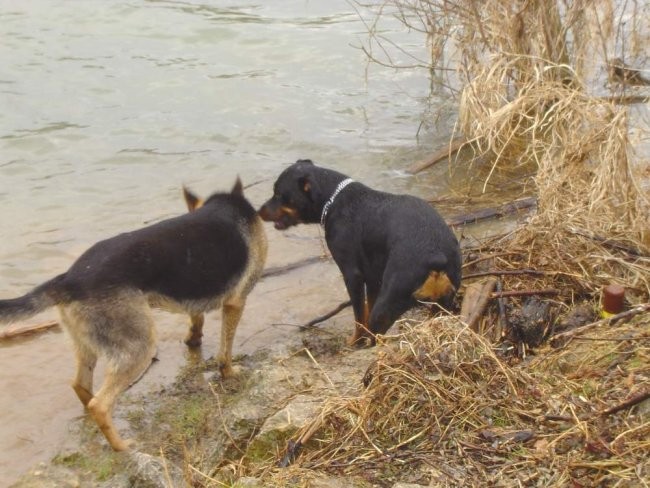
(107, 108)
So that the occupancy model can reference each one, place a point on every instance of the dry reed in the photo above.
(441, 407)
(526, 75)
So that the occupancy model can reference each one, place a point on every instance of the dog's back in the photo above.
(409, 230)
(189, 259)
(199, 261)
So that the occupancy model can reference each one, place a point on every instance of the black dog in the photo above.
(391, 249)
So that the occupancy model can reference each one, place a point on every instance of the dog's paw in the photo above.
(230, 371)
(193, 341)
(121, 445)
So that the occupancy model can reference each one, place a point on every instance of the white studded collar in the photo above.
(329, 202)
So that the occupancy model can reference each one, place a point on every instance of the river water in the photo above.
(107, 108)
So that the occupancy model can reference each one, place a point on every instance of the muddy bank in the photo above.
(452, 409)
(199, 424)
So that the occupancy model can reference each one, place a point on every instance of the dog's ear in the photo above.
(191, 200)
(238, 188)
(305, 184)
(305, 161)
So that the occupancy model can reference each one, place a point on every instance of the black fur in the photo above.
(194, 256)
(384, 244)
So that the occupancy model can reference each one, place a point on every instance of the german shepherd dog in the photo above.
(391, 249)
(197, 262)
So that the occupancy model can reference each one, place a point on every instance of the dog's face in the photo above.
(293, 201)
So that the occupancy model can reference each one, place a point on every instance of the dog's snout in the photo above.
(265, 212)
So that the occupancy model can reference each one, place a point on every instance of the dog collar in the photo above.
(329, 202)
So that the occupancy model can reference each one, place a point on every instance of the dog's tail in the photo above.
(40, 298)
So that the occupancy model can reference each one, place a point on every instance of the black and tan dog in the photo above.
(391, 249)
(208, 258)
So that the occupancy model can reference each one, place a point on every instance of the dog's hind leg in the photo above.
(82, 384)
(231, 313)
(119, 376)
(394, 299)
(356, 290)
(195, 334)
(124, 332)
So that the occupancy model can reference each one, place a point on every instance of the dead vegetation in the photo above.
(498, 403)
(442, 408)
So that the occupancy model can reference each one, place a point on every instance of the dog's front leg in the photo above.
(231, 313)
(195, 334)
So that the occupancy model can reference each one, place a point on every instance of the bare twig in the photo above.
(15, 332)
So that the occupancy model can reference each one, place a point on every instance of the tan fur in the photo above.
(435, 286)
(119, 326)
(129, 345)
(191, 200)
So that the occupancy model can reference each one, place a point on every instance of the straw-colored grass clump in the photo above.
(441, 408)
(529, 77)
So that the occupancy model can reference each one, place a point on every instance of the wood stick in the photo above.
(627, 315)
(493, 212)
(638, 398)
(626, 99)
(14, 332)
(476, 299)
(331, 313)
(293, 448)
(525, 293)
(444, 153)
(612, 244)
(279, 270)
(502, 272)
(502, 323)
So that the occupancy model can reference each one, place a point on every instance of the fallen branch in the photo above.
(612, 244)
(293, 448)
(502, 272)
(626, 99)
(502, 323)
(444, 153)
(14, 332)
(331, 313)
(563, 337)
(278, 270)
(475, 301)
(525, 293)
(493, 212)
(636, 399)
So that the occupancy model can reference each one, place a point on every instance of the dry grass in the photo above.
(529, 79)
(441, 407)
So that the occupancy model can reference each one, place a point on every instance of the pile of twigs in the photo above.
(441, 407)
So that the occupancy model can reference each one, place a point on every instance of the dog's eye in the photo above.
(285, 200)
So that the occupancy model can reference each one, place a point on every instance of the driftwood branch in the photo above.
(279, 270)
(525, 293)
(502, 323)
(636, 399)
(503, 272)
(493, 212)
(475, 301)
(14, 332)
(561, 338)
(626, 99)
(294, 447)
(612, 244)
(444, 153)
(630, 402)
(331, 313)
